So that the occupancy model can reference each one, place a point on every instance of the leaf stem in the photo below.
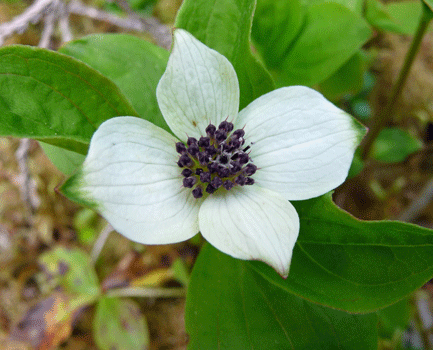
(385, 114)
(147, 292)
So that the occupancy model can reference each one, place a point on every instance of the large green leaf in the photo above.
(276, 24)
(347, 79)
(354, 265)
(119, 324)
(379, 17)
(407, 14)
(134, 64)
(225, 26)
(353, 5)
(394, 318)
(54, 98)
(66, 161)
(331, 35)
(229, 306)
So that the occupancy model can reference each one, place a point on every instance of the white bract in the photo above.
(301, 144)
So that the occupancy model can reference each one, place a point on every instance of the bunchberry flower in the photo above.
(227, 174)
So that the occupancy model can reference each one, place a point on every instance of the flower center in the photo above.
(216, 160)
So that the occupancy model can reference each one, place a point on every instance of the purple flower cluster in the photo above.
(215, 160)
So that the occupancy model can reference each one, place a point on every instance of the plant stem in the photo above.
(147, 292)
(100, 242)
(385, 114)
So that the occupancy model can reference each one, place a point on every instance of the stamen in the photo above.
(197, 192)
(191, 141)
(180, 148)
(204, 141)
(235, 167)
(243, 158)
(193, 149)
(184, 161)
(226, 126)
(216, 182)
(228, 185)
(210, 130)
(250, 181)
(215, 160)
(238, 133)
(189, 181)
(250, 169)
(224, 159)
(223, 172)
(186, 172)
(205, 177)
(241, 180)
(220, 136)
(210, 189)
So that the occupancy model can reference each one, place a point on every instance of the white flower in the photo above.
(300, 146)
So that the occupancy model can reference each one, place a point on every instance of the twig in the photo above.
(419, 204)
(147, 292)
(100, 242)
(26, 185)
(383, 116)
(19, 24)
(48, 30)
(65, 30)
(160, 31)
(423, 318)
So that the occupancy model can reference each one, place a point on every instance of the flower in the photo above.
(154, 188)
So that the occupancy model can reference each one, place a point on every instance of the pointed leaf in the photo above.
(52, 97)
(133, 64)
(229, 306)
(309, 60)
(354, 265)
(276, 24)
(407, 14)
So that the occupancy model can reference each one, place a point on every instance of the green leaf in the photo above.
(229, 306)
(354, 265)
(74, 270)
(407, 14)
(133, 64)
(85, 221)
(330, 36)
(394, 318)
(356, 166)
(119, 324)
(394, 145)
(347, 79)
(66, 161)
(225, 26)
(377, 15)
(353, 5)
(276, 24)
(54, 98)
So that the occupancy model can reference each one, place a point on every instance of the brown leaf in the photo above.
(47, 324)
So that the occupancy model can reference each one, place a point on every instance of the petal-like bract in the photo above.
(199, 87)
(251, 223)
(131, 175)
(302, 144)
